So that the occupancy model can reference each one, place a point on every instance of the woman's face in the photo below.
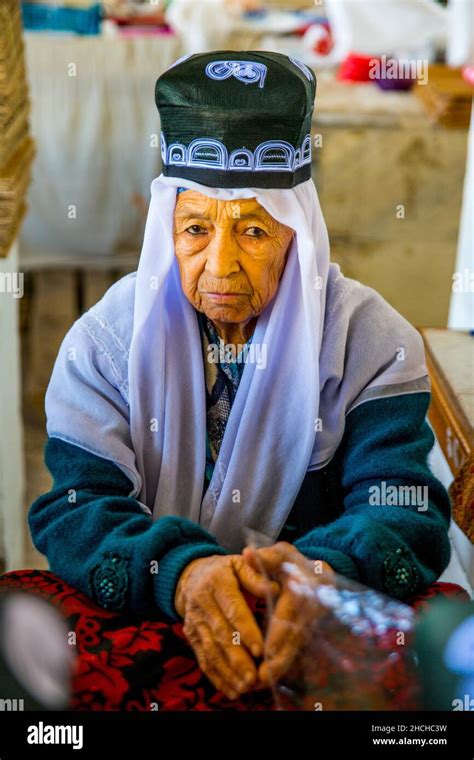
(231, 255)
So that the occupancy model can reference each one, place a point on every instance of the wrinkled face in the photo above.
(231, 255)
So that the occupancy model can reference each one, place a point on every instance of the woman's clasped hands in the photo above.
(219, 624)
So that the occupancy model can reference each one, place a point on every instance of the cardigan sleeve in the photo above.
(99, 539)
(392, 534)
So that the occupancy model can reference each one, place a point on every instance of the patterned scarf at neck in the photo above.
(222, 373)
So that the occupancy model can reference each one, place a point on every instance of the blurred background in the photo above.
(79, 147)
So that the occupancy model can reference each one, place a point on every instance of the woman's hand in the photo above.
(290, 623)
(218, 622)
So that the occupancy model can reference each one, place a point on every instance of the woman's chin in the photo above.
(229, 312)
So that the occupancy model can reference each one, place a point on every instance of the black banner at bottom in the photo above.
(114, 734)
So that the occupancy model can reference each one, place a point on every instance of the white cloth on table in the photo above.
(390, 27)
(202, 26)
(97, 132)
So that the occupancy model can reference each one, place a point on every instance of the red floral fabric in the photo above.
(126, 663)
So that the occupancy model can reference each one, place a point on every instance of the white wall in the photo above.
(12, 521)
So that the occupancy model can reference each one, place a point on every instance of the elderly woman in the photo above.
(238, 386)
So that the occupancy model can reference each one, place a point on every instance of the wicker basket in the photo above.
(16, 146)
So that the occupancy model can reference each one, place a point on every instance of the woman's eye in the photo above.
(255, 232)
(196, 229)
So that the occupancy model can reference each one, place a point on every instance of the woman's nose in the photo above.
(222, 255)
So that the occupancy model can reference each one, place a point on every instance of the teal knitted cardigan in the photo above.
(98, 538)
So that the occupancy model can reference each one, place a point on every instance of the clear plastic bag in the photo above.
(356, 646)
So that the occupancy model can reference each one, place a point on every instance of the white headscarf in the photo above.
(330, 345)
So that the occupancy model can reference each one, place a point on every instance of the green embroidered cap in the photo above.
(237, 119)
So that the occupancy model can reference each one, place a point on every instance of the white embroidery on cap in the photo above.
(179, 60)
(241, 160)
(302, 67)
(276, 155)
(248, 72)
(208, 153)
(178, 154)
(306, 150)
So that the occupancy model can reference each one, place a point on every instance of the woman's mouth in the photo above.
(223, 296)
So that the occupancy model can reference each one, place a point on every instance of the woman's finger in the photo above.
(239, 616)
(285, 636)
(216, 681)
(215, 678)
(217, 661)
(270, 558)
(282, 658)
(287, 616)
(229, 656)
(251, 579)
(241, 666)
(275, 668)
(250, 557)
(212, 675)
(233, 650)
(208, 655)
